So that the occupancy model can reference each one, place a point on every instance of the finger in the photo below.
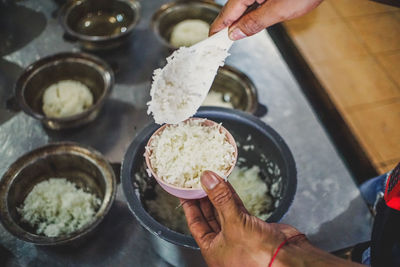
(198, 226)
(229, 13)
(221, 196)
(253, 22)
(269, 13)
(208, 212)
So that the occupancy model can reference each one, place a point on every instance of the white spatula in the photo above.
(220, 39)
(179, 89)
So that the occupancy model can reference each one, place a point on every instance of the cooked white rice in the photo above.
(57, 207)
(66, 98)
(181, 153)
(179, 88)
(252, 190)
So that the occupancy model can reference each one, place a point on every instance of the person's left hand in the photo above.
(224, 230)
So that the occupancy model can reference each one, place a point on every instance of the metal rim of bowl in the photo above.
(69, 5)
(95, 62)
(167, 7)
(250, 88)
(56, 148)
(159, 230)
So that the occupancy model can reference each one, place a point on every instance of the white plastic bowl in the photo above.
(187, 193)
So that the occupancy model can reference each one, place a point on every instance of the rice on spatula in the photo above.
(179, 89)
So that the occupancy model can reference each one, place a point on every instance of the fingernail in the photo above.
(209, 180)
(237, 34)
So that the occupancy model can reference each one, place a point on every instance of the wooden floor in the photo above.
(353, 47)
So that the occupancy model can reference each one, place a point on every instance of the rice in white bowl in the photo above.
(57, 207)
(181, 152)
(66, 98)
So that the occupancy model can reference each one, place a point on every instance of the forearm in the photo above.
(304, 254)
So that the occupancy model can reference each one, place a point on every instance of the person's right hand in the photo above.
(268, 13)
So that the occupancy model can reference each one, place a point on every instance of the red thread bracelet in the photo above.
(280, 246)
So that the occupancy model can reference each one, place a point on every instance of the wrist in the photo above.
(262, 253)
(302, 253)
(293, 253)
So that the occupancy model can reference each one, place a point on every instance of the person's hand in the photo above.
(229, 236)
(268, 13)
(226, 233)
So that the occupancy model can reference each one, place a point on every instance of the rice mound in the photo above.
(180, 87)
(66, 98)
(181, 152)
(56, 207)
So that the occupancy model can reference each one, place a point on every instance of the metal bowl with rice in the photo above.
(169, 15)
(231, 87)
(83, 166)
(86, 69)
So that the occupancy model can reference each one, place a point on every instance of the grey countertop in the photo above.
(327, 206)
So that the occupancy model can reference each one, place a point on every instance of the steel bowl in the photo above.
(87, 69)
(83, 166)
(181, 249)
(170, 14)
(100, 24)
(236, 88)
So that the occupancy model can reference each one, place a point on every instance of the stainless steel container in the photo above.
(170, 14)
(81, 165)
(87, 69)
(179, 249)
(100, 24)
(236, 88)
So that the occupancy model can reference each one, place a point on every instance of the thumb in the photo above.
(220, 195)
